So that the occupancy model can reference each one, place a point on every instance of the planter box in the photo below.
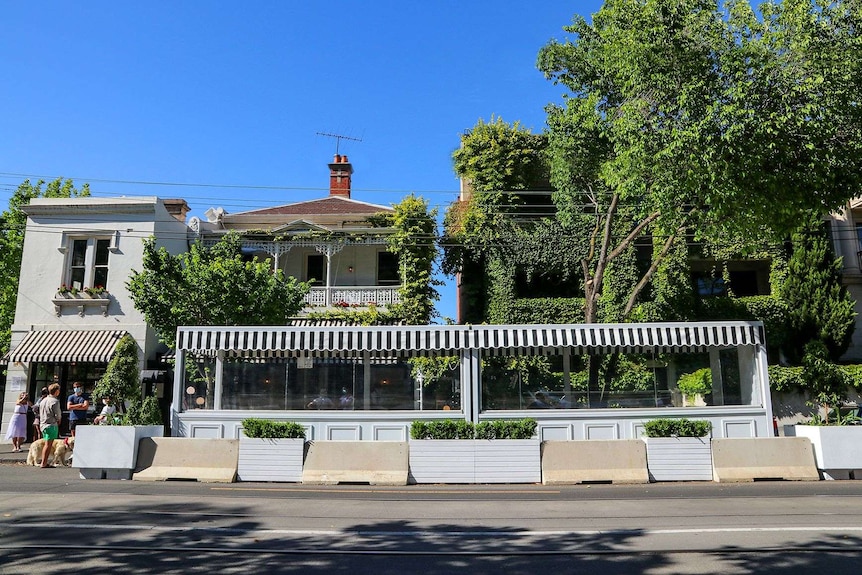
(475, 461)
(679, 458)
(837, 448)
(270, 459)
(110, 451)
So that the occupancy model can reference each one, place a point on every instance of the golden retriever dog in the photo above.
(62, 448)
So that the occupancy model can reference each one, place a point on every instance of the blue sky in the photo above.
(220, 103)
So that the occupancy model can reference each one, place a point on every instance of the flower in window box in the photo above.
(63, 289)
(95, 290)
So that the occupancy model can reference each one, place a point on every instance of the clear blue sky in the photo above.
(214, 95)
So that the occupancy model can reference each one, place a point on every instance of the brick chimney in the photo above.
(339, 176)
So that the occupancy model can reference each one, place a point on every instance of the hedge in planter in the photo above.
(456, 451)
(269, 429)
(679, 449)
(271, 450)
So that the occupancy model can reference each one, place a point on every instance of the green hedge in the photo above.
(268, 429)
(666, 427)
(460, 429)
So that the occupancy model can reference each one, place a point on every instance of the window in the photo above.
(387, 269)
(315, 269)
(88, 263)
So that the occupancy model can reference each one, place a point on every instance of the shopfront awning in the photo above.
(96, 346)
(585, 338)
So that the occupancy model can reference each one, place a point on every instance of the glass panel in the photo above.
(79, 252)
(437, 382)
(100, 277)
(526, 382)
(259, 386)
(77, 264)
(102, 252)
(198, 382)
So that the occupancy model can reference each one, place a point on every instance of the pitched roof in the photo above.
(328, 205)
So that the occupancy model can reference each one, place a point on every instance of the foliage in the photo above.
(696, 383)
(672, 110)
(667, 427)
(461, 429)
(505, 429)
(495, 160)
(442, 429)
(414, 242)
(370, 316)
(13, 221)
(826, 382)
(266, 428)
(211, 286)
(819, 307)
(431, 369)
(786, 379)
(146, 412)
(122, 378)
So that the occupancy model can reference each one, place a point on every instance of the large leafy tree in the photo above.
(211, 286)
(695, 115)
(12, 224)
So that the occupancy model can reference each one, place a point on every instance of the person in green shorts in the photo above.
(50, 415)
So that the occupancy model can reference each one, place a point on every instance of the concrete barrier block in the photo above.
(615, 460)
(206, 460)
(373, 462)
(747, 459)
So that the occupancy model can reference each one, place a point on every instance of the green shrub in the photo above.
(268, 429)
(699, 382)
(503, 429)
(666, 427)
(146, 412)
(460, 429)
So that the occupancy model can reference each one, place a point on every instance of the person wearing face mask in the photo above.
(77, 404)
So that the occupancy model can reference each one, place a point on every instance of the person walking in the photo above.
(50, 415)
(17, 430)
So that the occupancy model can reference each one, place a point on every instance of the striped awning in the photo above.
(582, 338)
(96, 346)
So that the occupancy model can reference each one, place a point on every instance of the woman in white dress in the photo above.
(17, 430)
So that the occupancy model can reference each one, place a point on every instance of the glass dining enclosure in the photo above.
(372, 382)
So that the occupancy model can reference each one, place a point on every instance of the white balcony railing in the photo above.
(360, 296)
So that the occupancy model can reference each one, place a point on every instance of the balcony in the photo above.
(352, 296)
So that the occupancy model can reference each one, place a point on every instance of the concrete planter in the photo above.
(475, 461)
(110, 451)
(837, 448)
(270, 459)
(679, 458)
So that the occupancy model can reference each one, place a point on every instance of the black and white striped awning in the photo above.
(96, 346)
(581, 338)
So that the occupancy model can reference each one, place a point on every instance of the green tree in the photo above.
(12, 224)
(819, 307)
(122, 378)
(211, 286)
(694, 115)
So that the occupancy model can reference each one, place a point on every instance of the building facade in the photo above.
(73, 305)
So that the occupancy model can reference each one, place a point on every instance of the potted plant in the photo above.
(457, 451)
(110, 450)
(694, 386)
(678, 449)
(836, 439)
(270, 450)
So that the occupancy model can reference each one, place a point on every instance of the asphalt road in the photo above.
(53, 522)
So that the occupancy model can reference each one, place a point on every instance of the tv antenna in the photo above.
(338, 138)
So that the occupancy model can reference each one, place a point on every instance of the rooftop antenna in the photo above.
(338, 138)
